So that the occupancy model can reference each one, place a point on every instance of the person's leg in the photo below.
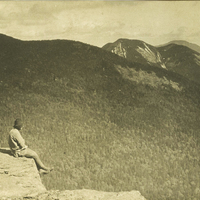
(32, 154)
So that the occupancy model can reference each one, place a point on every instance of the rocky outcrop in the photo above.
(19, 177)
(82, 195)
(119, 50)
(151, 56)
(90, 195)
(19, 180)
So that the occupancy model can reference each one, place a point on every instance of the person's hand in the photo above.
(25, 147)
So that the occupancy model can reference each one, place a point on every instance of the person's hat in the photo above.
(18, 124)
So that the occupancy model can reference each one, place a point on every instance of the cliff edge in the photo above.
(19, 179)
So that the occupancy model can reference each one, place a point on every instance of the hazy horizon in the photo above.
(101, 22)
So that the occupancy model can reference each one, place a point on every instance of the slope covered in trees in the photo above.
(103, 122)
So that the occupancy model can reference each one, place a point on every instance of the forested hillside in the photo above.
(103, 122)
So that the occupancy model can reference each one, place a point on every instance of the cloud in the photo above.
(179, 32)
(100, 21)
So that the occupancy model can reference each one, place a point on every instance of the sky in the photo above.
(101, 22)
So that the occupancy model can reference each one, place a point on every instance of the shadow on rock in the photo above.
(6, 151)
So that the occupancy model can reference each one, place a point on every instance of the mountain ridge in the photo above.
(190, 45)
(179, 58)
(135, 50)
(48, 49)
(103, 122)
(183, 60)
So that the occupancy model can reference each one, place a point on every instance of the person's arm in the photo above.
(20, 141)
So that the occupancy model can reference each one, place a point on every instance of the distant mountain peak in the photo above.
(179, 56)
(136, 51)
(181, 59)
(190, 45)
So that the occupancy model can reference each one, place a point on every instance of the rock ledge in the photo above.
(19, 177)
(19, 180)
(85, 194)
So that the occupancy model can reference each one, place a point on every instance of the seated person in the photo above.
(19, 149)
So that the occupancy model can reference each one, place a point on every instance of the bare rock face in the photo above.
(19, 177)
(89, 195)
(19, 180)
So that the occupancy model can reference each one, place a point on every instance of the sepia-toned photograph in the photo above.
(99, 100)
